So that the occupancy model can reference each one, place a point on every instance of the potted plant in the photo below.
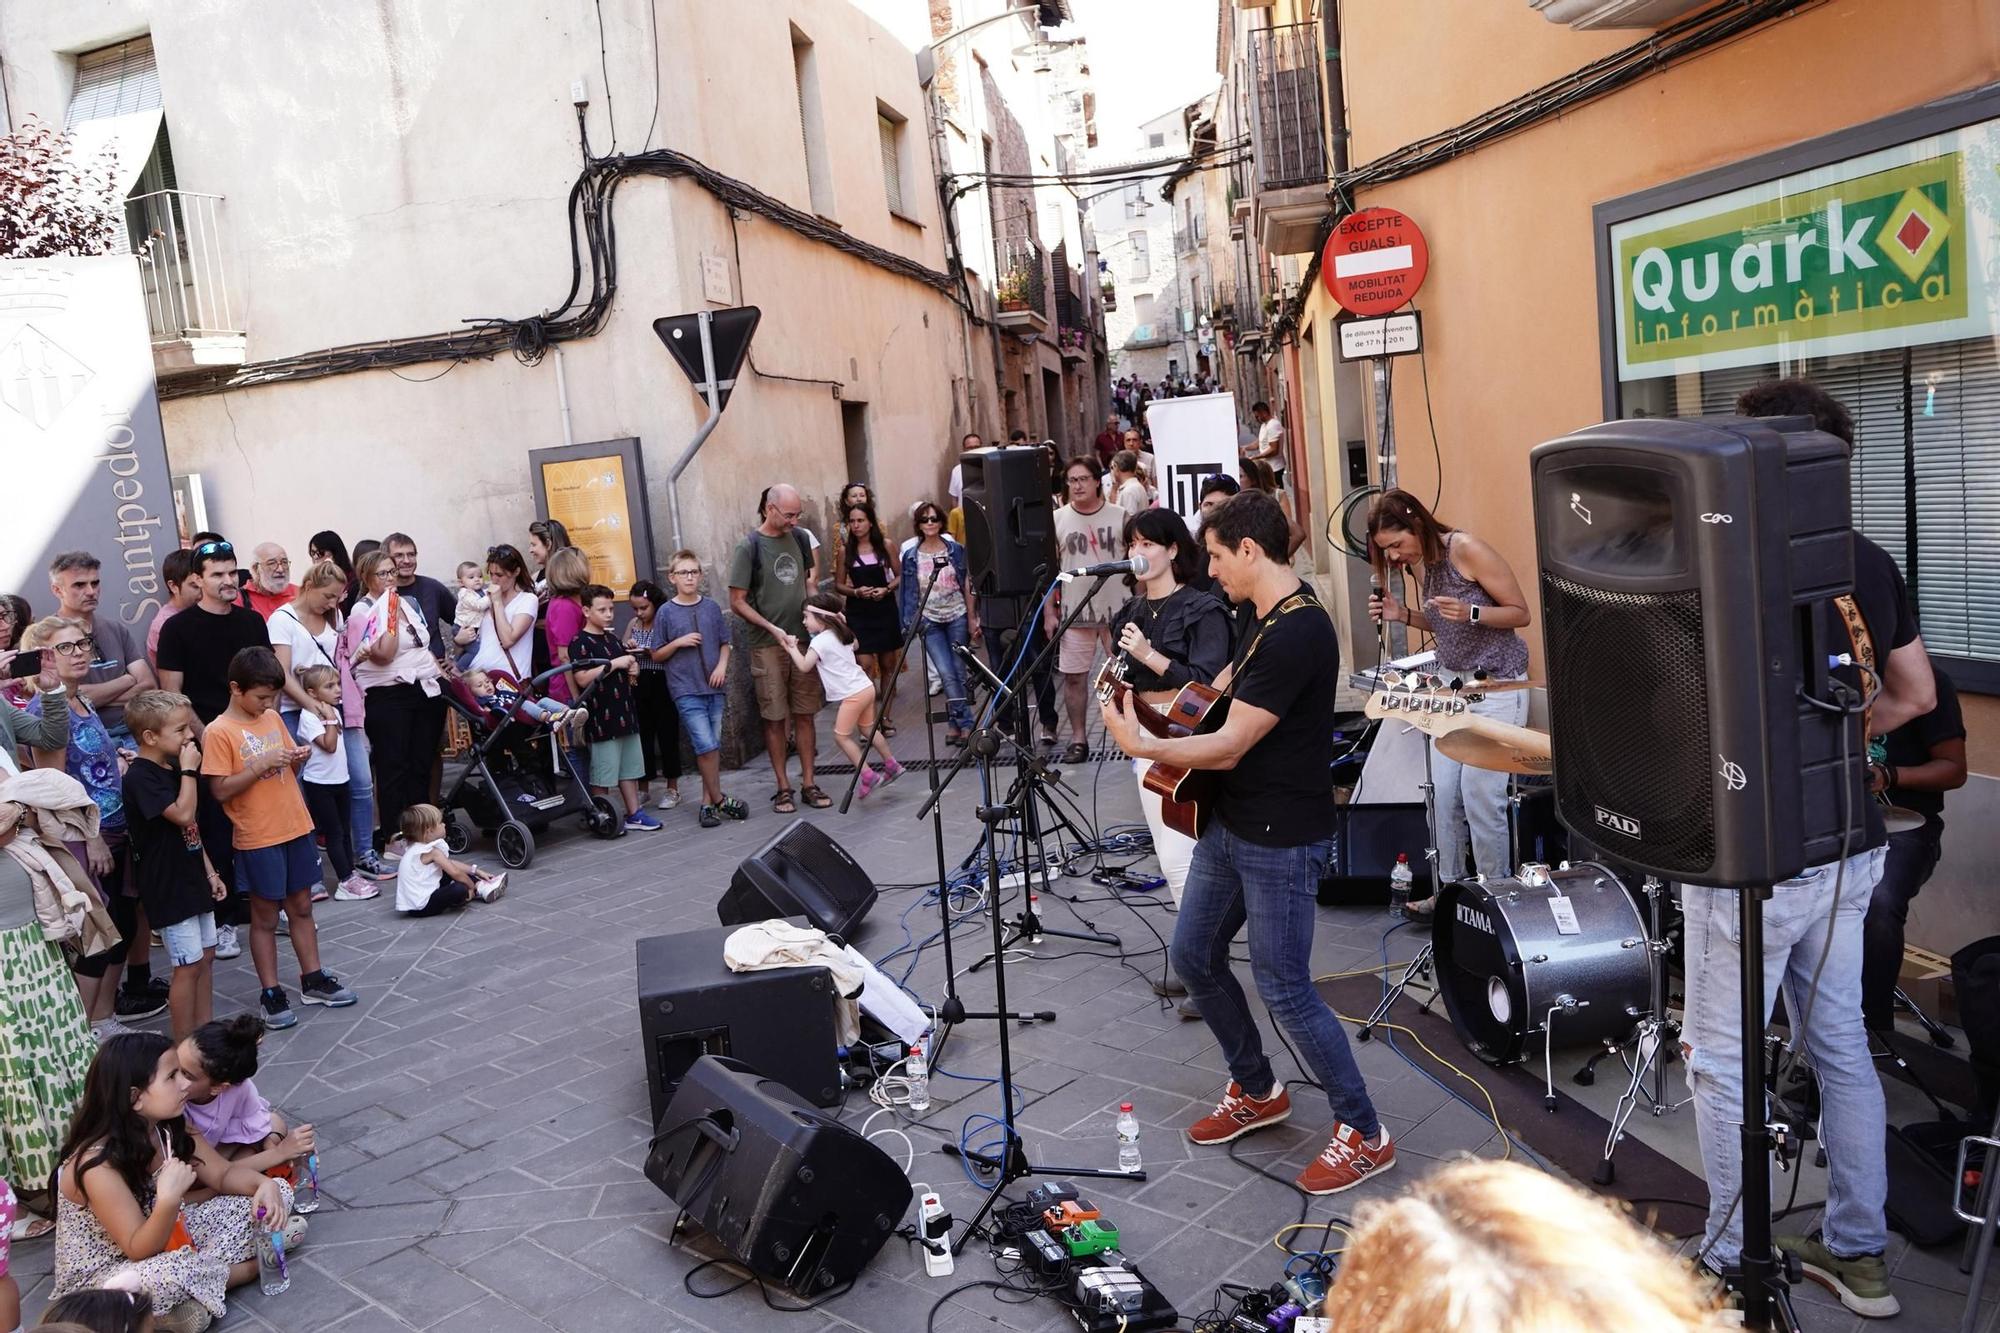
(1013, 290)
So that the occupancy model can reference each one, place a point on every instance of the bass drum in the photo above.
(1508, 951)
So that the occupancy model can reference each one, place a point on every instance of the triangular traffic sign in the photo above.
(729, 334)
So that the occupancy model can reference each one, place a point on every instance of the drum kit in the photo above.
(1555, 957)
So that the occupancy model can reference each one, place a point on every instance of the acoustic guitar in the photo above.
(1187, 795)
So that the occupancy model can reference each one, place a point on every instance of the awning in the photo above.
(130, 138)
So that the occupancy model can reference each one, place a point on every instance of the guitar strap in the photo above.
(1864, 646)
(1298, 600)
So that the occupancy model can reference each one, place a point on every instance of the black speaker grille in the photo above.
(1628, 720)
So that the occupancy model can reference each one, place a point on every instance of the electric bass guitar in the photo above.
(1187, 795)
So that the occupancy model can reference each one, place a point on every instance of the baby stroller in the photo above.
(518, 780)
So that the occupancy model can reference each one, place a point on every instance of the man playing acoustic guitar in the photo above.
(1261, 856)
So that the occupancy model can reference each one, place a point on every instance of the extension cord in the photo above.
(938, 1261)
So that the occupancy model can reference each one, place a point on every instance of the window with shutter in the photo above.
(892, 163)
(115, 81)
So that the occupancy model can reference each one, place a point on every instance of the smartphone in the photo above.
(25, 664)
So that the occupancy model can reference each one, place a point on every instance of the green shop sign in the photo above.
(1876, 259)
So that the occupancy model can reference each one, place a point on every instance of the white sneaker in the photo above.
(355, 889)
(490, 887)
(670, 801)
(226, 943)
(104, 1029)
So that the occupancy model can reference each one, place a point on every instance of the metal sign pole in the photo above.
(1399, 633)
(712, 391)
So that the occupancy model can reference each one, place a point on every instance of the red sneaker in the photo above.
(1348, 1160)
(1238, 1114)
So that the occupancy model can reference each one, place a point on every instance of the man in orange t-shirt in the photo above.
(253, 764)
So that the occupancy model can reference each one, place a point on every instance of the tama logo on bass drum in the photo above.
(1475, 918)
(1617, 823)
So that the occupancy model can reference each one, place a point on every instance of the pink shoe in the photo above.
(870, 780)
(890, 772)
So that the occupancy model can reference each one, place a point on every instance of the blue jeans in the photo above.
(1274, 889)
(360, 788)
(940, 637)
(1797, 917)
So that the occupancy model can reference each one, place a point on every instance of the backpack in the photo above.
(757, 555)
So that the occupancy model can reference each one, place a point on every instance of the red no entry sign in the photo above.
(1374, 261)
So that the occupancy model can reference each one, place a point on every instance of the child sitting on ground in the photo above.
(420, 887)
(472, 603)
(846, 685)
(170, 868)
(324, 782)
(496, 697)
(223, 1105)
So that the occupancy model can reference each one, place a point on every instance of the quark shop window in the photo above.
(1874, 275)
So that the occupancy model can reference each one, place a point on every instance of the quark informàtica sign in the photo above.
(1886, 250)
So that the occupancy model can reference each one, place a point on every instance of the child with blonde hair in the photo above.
(420, 886)
(846, 685)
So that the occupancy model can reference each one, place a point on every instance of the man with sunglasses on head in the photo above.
(76, 578)
(438, 603)
(196, 647)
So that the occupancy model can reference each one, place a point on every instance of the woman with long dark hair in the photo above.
(128, 1164)
(949, 615)
(1472, 605)
(659, 720)
(865, 575)
(1169, 635)
(505, 642)
(327, 545)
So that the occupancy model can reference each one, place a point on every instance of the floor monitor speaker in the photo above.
(801, 872)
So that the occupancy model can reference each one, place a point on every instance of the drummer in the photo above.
(1472, 605)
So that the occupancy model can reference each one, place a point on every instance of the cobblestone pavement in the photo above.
(483, 1112)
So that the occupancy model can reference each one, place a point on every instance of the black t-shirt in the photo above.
(612, 710)
(1910, 745)
(438, 603)
(1192, 628)
(166, 858)
(1280, 793)
(198, 644)
(1885, 608)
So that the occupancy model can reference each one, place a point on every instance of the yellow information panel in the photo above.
(587, 496)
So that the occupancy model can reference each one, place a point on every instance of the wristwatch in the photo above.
(1474, 611)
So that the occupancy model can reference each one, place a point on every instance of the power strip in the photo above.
(934, 1235)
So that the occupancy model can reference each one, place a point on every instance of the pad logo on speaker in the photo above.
(1617, 823)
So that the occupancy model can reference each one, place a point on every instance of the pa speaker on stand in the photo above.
(1010, 526)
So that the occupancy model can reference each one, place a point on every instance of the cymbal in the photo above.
(1501, 747)
(1898, 820)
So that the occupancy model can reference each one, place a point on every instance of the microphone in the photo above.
(1138, 566)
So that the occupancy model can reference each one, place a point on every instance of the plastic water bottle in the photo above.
(305, 1189)
(273, 1274)
(1399, 885)
(1128, 1138)
(919, 1075)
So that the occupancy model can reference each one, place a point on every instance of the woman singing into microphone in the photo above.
(1472, 604)
(1169, 634)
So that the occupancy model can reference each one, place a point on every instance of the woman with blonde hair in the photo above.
(1495, 1247)
(565, 577)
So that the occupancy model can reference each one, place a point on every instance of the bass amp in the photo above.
(1687, 569)
(792, 1194)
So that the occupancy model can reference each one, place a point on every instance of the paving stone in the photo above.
(418, 1288)
(537, 1280)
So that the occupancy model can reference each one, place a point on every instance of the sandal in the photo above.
(1422, 910)
(782, 803)
(30, 1227)
(1077, 753)
(815, 798)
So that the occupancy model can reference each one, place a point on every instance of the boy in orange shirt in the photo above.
(253, 763)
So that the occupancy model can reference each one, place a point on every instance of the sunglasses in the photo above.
(928, 519)
(214, 548)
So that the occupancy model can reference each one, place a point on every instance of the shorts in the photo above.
(783, 691)
(1080, 644)
(186, 940)
(701, 720)
(275, 873)
(616, 760)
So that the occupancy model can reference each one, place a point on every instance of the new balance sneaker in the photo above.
(137, 1004)
(709, 817)
(278, 1012)
(226, 943)
(1348, 1160)
(325, 988)
(370, 863)
(641, 822)
(355, 889)
(733, 808)
(486, 888)
(1862, 1283)
(671, 801)
(1238, 1114)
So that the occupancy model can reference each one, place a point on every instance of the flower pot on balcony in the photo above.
(1009, 304)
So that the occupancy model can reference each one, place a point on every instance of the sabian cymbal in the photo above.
(1500, 747)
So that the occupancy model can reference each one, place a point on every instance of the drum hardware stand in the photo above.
(1565, 1004)
(1650, 1044)
(1422, 968)
(1940, 1035)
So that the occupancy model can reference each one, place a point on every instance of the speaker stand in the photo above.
(1761, 1277)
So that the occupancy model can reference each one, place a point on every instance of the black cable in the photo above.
(604, 68)
(653, 20)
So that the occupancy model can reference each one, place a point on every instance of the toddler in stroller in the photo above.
(502, 698)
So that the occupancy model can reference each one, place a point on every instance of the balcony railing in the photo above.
(1284, 106)
(1023, 286)
(175, 236)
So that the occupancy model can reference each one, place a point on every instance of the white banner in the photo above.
(1193, 440)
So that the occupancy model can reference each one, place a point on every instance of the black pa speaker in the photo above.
(1010, 526)
(780, 1022)
(801, 872)
(1686, 572)
(792, 1194)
